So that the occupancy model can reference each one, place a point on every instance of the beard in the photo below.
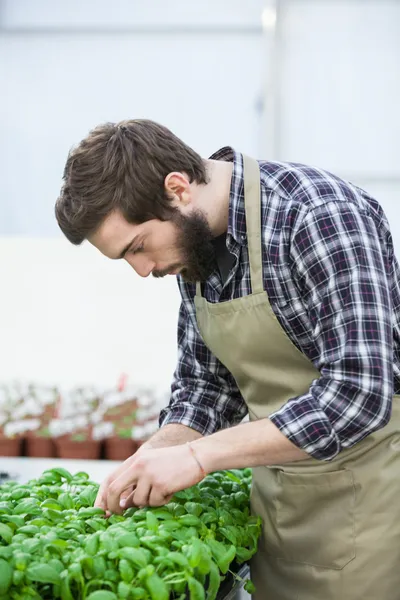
(195, 242)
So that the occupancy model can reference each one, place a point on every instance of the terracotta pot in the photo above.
(118, 412)
(119, 448)
(88, 449)
(40, 447)
(10, 446)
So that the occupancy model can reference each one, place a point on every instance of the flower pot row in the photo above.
(112, 448)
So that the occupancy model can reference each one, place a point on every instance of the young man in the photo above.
(290, 312)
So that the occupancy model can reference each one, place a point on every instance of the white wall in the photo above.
(71, 65)
(66, 314)
(69, 316)
(337, 90)
(331, 80)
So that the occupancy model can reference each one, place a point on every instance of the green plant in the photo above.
(123, 432)
(43, 432)
(55, 544)
(79, 436)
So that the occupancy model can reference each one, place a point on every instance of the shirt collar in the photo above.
(236, 218)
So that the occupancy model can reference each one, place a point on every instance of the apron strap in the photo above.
(252, 204)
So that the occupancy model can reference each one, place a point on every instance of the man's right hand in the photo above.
(173, 434)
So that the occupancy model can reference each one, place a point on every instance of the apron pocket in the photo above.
(315, 518)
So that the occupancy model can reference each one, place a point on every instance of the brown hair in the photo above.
(122, 166)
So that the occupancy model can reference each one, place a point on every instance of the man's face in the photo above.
(182, 245)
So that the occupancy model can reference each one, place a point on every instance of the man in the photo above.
(290, 312)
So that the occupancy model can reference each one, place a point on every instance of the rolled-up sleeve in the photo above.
(343, 269)
(204, 394)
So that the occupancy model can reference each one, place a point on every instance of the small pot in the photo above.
(119, 448)
(40, 447)
(88, 449)
(10, 446)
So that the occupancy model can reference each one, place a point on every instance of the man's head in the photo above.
(130, 188)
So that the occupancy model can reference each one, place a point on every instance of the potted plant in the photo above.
(10, 444)
(39, 442)
(79, 442)
(72, 427)
(120, 445)
(10, 436)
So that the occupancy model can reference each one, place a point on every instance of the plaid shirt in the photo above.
(334, 285)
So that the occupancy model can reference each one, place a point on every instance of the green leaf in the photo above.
(214, 582)
(43, 573)
(157, 587)
(88, 496)
(96, 524)
(51, 503)
(65, 588)
(92, 544)
(230, 533)
(124, 590)
(162, 514)
(66, 500)
(196, 589)
(60, 474)
(249, 587)
(233, 477)
(6, 533)
(20, 493)
(134, 555)
(152, 521)
(31, 529)
(102, 595)
(126, 570)
(90, 511)
(243, 554)
(128, 539)
(15, 519)
(193, 508)
(190, 521)
(6, 552)
(5, 576)
(28, 507)
(226, 559)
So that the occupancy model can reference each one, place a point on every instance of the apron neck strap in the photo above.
(252, 204)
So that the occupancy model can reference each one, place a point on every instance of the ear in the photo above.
(177, 186)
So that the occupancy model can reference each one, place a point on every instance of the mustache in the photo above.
(164, 272)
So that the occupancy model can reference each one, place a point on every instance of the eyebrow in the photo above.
(125, 250)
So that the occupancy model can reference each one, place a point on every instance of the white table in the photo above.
(30, 468)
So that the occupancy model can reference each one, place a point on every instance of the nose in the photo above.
(141, 265)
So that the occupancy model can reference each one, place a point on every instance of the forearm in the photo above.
(173, 434)
(246, 445)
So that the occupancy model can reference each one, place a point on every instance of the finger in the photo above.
(101, 498)
(125, 500)
(113, 498)
(158, 498)
(100, 501)
(142, 493)
(127, 479)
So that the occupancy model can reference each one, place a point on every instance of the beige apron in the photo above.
(331, 529)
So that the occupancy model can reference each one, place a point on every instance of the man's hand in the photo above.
(151, 476)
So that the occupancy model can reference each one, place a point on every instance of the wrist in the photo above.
(210, 453)
(196, 459)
